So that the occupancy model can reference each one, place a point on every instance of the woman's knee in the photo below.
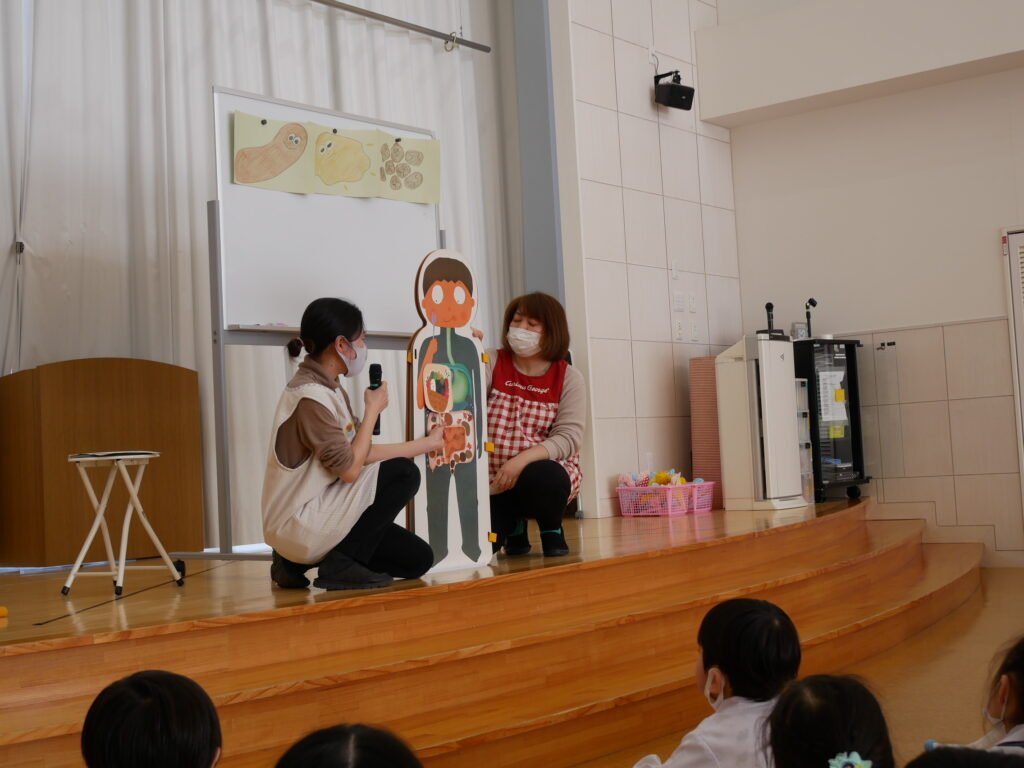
(547, 478)
(403, 473)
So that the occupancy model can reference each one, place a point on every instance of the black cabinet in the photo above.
(830, 367)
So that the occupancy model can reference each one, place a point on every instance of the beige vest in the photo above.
(308, 510)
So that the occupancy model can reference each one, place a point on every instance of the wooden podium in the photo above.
(100, 404)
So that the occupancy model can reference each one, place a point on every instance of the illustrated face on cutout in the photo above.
(448, 304)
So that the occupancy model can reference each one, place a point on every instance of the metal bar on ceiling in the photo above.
(450, 38)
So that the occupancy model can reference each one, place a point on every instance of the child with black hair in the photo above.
(154, 719)
(825, 721)
(748, 650)
(349, 746)
(1004, 704)
(330, 495)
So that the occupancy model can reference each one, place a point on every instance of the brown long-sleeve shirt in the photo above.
(312, 430)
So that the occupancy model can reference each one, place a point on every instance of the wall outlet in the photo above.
(693, 303)
(679, 329)
(678, 301)
(694, 333)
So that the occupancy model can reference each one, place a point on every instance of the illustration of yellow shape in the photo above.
(256, 164)
(339, 158)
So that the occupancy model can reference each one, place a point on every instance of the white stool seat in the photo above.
(118, 461)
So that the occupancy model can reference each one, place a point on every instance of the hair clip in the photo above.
(848, 760)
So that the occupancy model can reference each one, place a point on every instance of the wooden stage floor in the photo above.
(222, 588)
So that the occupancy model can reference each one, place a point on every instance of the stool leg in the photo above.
(99, 507)
(133, 490)
(123, 550)
(126, 526)
(103, 524)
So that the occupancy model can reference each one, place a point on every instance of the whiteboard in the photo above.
(278, 250)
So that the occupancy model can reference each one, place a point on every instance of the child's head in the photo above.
(349, 746)
(748, 648)
(1005, 696)
(821, 717)
(323, 322)
(153, 719)
(541, 314)
(963, 757)
(447, 293)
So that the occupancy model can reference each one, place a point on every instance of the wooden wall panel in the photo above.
(21, 490)
(105, 404)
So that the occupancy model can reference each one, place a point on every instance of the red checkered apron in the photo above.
(520, 412)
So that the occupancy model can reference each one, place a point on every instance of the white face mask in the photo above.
(997, 732)
(523, 342)
(355, 367)
(717, 701)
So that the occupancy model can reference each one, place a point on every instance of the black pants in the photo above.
(376, 541)
(541, 492)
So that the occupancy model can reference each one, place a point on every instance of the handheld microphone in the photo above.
(375, 382)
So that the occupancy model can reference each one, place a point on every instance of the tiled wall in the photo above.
(940, 434)
(659, 230)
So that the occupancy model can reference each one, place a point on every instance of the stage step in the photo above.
(588, 656)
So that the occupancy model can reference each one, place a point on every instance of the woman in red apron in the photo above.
(535, 416)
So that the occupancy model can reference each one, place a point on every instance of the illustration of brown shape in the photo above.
(255, 164)
(413, 180)
(396, 183)
(414, 157)
(397, 153)
(403, 170)
(339, 158)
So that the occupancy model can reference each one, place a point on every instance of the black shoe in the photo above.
(288, 575)
(352, 576)
(554, 543)
(518, 542)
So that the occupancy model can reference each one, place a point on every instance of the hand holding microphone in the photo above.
(375, 383)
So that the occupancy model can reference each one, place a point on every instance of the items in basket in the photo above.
(664, 493)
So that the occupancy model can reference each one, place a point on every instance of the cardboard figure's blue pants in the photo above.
(439, 483)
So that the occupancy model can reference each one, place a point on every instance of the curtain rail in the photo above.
(449, 37)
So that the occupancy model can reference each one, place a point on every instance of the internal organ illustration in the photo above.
(459, 443)
(339, 158)
(255, 164)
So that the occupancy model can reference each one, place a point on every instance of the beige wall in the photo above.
(788, 57)
(940, 437)
(888, 211)
(648, 227)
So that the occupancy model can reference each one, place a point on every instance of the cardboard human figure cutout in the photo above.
(448, 384)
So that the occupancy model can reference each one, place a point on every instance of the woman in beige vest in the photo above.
(330, 496)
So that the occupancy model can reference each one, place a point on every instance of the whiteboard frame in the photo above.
(224, 335)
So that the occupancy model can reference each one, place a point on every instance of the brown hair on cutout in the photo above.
(549, 312)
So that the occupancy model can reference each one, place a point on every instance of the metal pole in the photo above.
(220, 401)
(448, 37)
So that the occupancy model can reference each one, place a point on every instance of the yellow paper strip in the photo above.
(312, 158)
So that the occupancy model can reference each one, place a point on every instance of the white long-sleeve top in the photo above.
(733, 737)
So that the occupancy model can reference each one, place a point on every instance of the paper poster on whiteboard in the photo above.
(310, 158)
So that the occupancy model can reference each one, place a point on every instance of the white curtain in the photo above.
(121, 166)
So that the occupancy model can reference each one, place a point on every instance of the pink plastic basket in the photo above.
(654, 501)
(702, 496)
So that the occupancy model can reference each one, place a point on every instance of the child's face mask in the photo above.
(717, 701)
(997, 732)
